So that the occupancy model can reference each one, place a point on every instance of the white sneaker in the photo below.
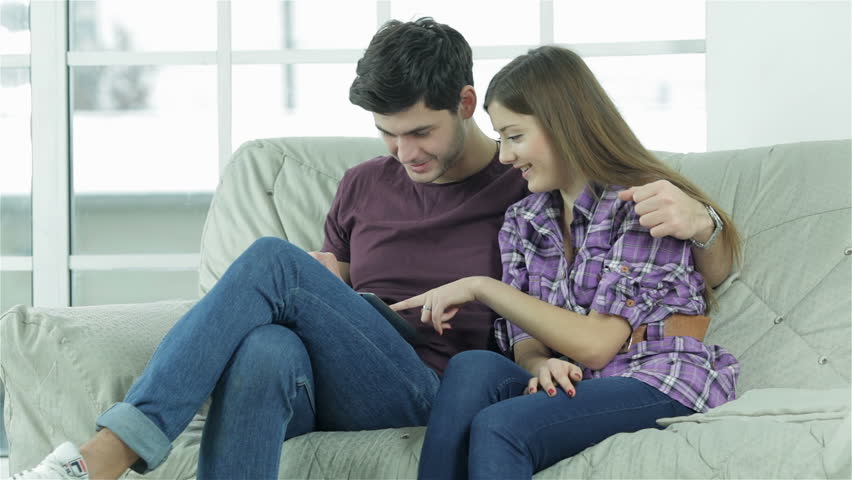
(64, 462)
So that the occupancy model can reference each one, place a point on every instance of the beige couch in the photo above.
(785, 315)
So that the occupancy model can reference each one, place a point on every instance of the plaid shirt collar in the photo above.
(544, 214)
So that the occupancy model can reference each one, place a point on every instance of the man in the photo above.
(278, 320)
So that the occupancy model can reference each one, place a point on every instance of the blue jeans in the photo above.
(283, 347)
(482, 426)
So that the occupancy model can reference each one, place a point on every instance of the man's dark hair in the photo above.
(410, 61)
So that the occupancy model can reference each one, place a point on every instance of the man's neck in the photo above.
(479, 150)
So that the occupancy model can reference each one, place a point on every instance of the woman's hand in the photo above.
(566, 374)
(441, 304)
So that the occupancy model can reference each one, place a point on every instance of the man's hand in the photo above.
(667, 211)
(329, 261)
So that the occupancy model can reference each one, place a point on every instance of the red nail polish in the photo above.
(571, 393)
(552, 392)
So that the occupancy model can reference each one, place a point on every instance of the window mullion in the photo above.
(224, 87)
(546, 22)
(383, 12)
(50, 141)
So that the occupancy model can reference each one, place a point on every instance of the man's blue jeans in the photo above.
(483, 427)
(284, 347)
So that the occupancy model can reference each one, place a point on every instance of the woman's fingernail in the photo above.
(571, 393)
(552, 392)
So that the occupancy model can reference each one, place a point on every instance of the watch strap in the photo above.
(717, 229)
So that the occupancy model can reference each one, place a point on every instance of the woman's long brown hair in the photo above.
(555, 86)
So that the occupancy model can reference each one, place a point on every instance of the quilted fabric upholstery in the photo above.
(785, 313)
(62, 367)
(785, 310)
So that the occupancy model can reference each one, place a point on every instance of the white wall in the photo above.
(778, 72)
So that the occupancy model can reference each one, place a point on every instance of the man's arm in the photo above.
(667, 211)
(343, 268)
(716, 261)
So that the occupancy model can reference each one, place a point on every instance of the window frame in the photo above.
(50, 61)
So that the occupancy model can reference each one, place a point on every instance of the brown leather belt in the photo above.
(673, 326)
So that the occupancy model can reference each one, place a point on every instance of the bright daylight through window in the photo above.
(156, 103)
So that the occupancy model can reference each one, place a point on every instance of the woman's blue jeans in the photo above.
(283, 347)
(483, 427)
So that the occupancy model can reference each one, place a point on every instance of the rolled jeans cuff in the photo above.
(139, 433)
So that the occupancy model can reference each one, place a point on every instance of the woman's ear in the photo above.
(467, 102)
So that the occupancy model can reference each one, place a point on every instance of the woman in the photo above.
(585, 297)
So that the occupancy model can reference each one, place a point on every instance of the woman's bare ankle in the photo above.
(107, 456)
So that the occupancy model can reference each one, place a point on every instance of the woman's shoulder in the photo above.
(532, 204)
(601, 204)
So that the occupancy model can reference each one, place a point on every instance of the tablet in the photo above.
(405, 329)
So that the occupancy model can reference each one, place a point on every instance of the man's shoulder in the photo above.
(374, 165)
(368, 172)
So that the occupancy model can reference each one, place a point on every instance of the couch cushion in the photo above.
(62, 367)
(774, 433)
(785, 313)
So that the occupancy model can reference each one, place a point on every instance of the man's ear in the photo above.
(467, 101)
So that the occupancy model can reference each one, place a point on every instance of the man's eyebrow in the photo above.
(410, 132)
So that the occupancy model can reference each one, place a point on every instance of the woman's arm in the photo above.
(529, 353)
(592, 340)
(536, 358)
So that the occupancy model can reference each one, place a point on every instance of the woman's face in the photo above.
(524, 145)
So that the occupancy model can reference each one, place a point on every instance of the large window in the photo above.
(136, 105)
(15, 165)
(15, 155)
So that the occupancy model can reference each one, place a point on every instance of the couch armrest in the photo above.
(62, 367)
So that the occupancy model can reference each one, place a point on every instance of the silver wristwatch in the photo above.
(718, 227)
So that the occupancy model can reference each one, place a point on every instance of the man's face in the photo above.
(429, 143)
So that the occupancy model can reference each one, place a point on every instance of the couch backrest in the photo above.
(280, 187)
(785, 314)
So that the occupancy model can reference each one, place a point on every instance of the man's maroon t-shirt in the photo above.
(402, 238)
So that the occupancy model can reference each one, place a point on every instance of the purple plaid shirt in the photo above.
(618, 269)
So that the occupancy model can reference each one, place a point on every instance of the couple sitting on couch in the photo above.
(592, 276)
